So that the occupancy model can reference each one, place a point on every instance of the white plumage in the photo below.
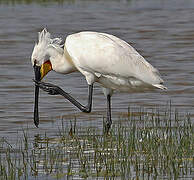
(111, 62)
(101, 58)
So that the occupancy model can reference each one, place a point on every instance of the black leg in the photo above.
(88, 107)
(54, 90)
(108, 120)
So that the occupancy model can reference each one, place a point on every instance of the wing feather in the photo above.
(106, 54)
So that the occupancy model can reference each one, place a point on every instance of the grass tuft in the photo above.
(152, 143)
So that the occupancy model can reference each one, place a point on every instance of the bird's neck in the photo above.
(61, 62)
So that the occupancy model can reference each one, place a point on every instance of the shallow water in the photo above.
(161, 31)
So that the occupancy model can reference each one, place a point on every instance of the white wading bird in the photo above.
(101, 58)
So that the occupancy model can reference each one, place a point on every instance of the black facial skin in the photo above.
(37, 78)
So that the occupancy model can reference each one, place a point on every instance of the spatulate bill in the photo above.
(37, 78)
(36, 113)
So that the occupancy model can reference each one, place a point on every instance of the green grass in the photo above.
(143, 144)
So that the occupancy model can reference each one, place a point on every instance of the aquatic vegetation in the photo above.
(153, 144)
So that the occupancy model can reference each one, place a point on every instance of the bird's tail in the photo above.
(159, 86)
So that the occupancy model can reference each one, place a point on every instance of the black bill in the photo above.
(37, 78)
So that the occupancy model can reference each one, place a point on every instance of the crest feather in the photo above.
(44, 40)
(41, 48)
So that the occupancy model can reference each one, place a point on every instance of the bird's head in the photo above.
(41, 53)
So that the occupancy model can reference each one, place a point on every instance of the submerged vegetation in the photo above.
(145, 144)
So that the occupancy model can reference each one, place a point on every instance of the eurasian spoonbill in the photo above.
(101, 58)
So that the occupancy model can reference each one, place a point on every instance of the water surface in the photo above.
(161, 31)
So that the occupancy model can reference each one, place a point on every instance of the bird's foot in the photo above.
(48, 87)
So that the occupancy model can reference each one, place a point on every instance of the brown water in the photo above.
(162, 31)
